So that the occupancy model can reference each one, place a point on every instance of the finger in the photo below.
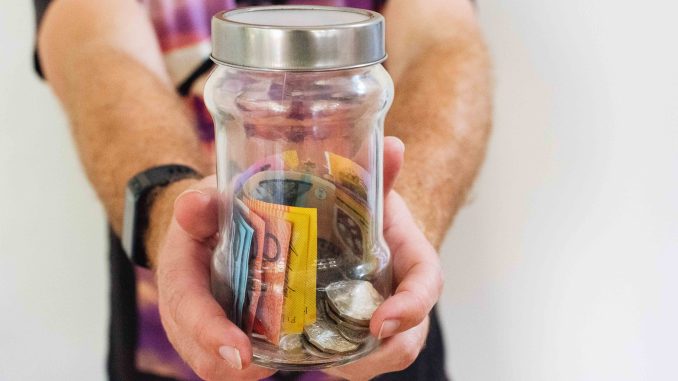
(192, 339)
(394, 151)
(394, 354)
(416, 269)
(196, 209)
(210, 366)
(185, 297)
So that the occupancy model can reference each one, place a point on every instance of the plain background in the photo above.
(562, 267)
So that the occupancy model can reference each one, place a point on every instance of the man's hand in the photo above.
(195, 323)
(216, 349)
(403, 318)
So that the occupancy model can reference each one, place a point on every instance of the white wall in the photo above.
(53, 274)
(561, 268)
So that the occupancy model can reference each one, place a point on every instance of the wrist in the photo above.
(160, 214)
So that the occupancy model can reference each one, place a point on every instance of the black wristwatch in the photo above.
(138, 197)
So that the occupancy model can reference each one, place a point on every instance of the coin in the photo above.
(340, 322)
(325, 337)
(354, 336)
(338, 318)
(312, 350)
(290, 342)
(354, 300)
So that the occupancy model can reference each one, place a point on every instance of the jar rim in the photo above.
(276, 46)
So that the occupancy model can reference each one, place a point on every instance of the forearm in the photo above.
(442, 112)
(124, 114)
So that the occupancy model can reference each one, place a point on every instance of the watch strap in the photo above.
(138, 197)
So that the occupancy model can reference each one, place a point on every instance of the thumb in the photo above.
(394, 155)
(196, 209)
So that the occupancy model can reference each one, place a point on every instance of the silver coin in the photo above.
(335, 318)
(354, 300)
(325, 337)
(331, 313)
(354, 336)
(291, 342)
(313, 351)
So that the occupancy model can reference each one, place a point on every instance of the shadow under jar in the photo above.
(298, 99)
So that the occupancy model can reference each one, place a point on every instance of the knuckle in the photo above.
(419, 305)
(202, 332)
(174, 305)
(407, 356)
(411, 345)
(415, 305)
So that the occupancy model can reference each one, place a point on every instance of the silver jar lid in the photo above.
(298, 38)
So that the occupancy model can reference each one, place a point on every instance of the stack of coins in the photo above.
(322, 339)
(343, 319)
(350, 305)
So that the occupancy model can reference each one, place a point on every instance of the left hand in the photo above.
(402, 320)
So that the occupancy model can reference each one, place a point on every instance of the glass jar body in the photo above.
(301, 263)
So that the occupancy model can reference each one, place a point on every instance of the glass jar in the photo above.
(298, 99)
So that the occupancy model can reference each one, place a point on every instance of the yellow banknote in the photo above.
(348, 174)
(353, 226)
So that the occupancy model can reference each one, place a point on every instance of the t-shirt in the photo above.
(138, 346)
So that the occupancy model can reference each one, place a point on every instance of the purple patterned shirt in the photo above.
(183, 30)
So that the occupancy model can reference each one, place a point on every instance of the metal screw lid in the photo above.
(298, 38)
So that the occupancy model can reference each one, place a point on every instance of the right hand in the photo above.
(196, 325)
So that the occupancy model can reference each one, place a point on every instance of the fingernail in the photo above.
(388, 328)
(401, 144)
(189, 191)
(232, 356)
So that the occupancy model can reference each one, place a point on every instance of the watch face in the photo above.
(129, 222)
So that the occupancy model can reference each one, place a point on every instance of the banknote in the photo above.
(236, 250)
(348, 175)
(244, 234)
(234, 264)
(299, 307)
(237, 264)
(244, 272)
(268, 318)
(291, 188)
(223, 282)
(353, 226)
(306, 190)
(256, 255)
(276, 188)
